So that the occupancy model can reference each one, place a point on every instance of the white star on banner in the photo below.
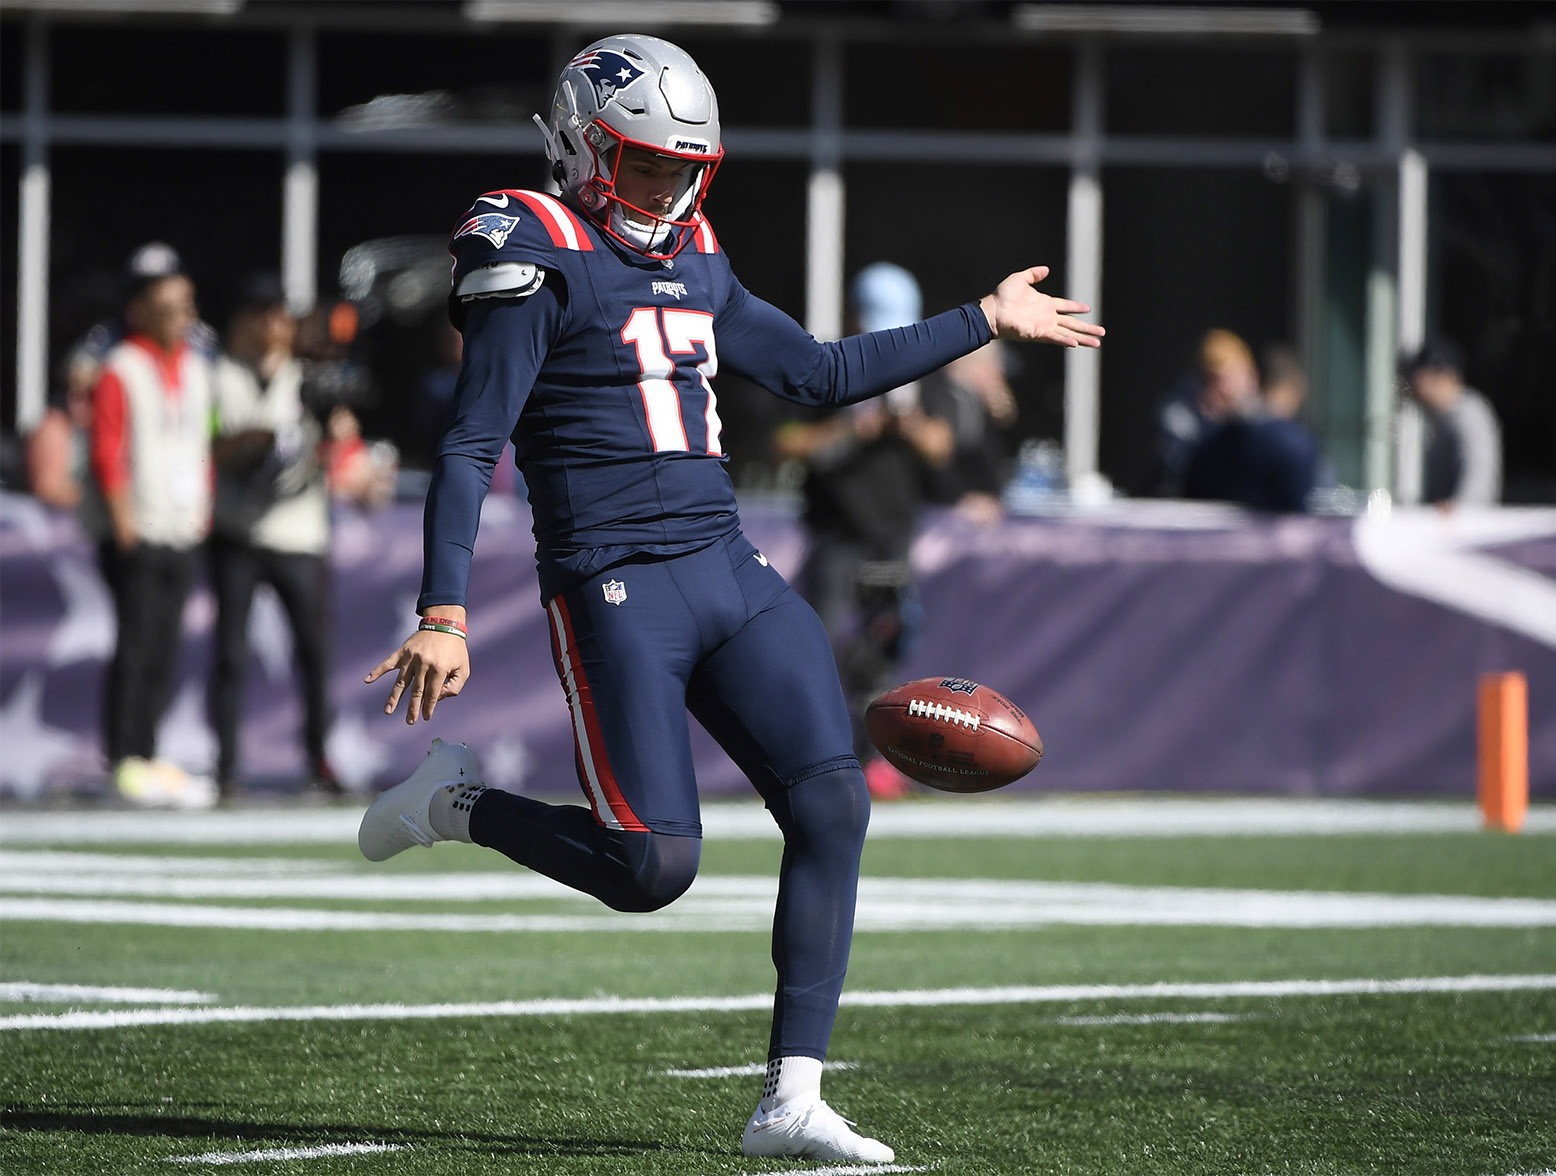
(86, 631)
(270, 634)
(184, 735)
(506, 764)
(29, 516)
(356, 756)
(33, 749)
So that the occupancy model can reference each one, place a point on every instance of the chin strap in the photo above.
(645, 237)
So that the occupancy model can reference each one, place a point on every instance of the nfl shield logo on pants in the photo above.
(615, 592)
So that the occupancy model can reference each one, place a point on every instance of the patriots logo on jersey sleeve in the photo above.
(494, 226)
(607, 71)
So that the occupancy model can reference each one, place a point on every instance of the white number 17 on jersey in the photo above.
(658, 333)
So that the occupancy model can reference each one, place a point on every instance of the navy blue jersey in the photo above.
(602, 377)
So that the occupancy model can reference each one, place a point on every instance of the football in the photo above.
(953, 734)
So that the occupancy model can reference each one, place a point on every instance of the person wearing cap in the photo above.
(56, 453)
(272, 522)
(868, 472)
(1461, 460)
(149, 506)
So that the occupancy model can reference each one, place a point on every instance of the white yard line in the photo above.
(761, 1001)
(1536, 1038)
(930, 817)
(730, 903)
(277, 1154)
(844, 1170)
(47, 863)
(1155, 1019)
(21, 990)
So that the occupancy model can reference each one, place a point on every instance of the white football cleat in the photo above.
(809, 1129)
(399, 818)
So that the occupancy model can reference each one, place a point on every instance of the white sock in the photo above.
(790, 1077)
(449, 812)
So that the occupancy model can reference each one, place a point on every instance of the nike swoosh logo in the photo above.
(503, 203)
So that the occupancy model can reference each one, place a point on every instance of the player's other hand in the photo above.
(1018, 310)
(429, 667)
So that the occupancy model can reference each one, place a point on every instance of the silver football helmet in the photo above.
(636, 91)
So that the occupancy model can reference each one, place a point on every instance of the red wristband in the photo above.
(452, 624)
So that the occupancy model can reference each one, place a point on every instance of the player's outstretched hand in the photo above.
(431, 666)
(1018, 310)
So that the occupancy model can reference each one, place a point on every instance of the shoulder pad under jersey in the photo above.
(516, 226)
(501, 279)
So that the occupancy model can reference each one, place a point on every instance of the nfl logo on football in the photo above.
(615, 592)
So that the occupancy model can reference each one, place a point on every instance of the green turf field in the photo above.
(1086, 1005)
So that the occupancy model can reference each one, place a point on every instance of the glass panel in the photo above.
(760, 82)
(1494, 257)
(958, 87)
(1501, 96)
(1247, 92)
(416, 79)
(1029, 230)
(13, 56)
(1349, 100)
(1187, 251)
(1338, 397)
(10, 177)
(144, 69)
(89, 251)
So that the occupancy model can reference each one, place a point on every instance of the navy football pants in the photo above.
(718, 633)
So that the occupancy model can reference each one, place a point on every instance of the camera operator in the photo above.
(868, 472)
(284, 437)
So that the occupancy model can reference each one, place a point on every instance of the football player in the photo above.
(594, 323)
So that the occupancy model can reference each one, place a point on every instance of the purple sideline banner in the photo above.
(1156, 646)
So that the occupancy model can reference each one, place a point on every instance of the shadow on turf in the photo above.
(249, 1135)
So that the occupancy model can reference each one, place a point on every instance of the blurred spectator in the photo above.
(57, 449)
(272, 521)
(150, 510)
(1225, 384)
(335, 389)
(1461, 460)
(56, 457)
(868, 470)
(973, 396)
(1261, 457)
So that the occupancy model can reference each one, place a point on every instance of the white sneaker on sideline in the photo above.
(162, 784)
(808, 1128)
(398, 819)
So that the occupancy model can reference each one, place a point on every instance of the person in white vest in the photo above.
(150, 511)
(1460, 462)
(272, 522)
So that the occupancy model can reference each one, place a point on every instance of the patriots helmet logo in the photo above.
(494, 226)
(607, 71)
